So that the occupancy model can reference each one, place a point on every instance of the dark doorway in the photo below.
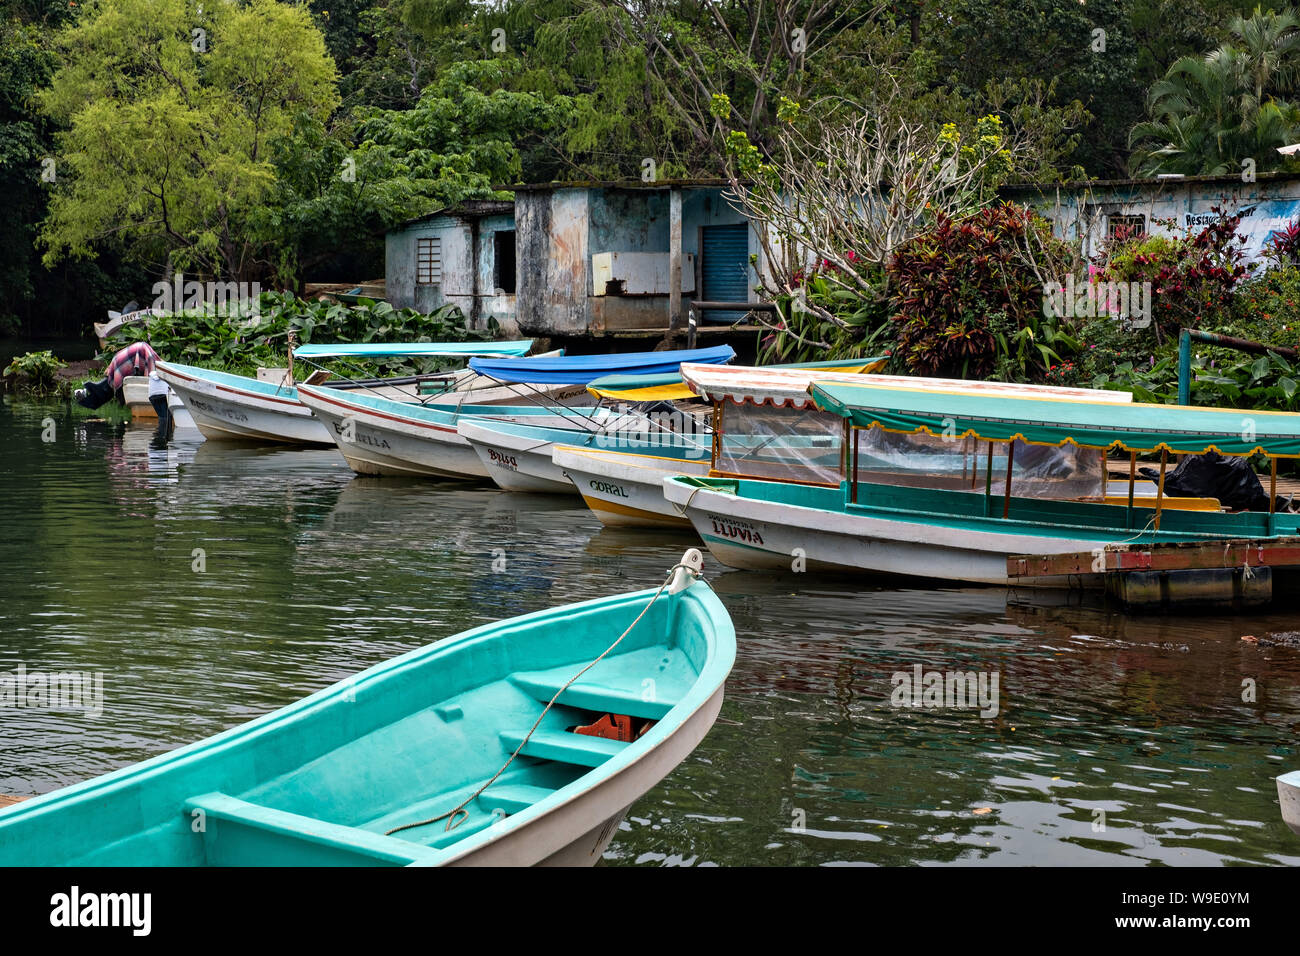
(503, 251)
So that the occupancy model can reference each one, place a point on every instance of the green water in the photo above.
(309, 574)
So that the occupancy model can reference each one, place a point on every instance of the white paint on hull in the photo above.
(1288, 796)
(516, 462)
(751, 533)
(384, 444)
(222, 412)
(565, 835)
(626, 490)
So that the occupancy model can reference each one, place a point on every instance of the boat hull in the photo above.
(1288, 796)
(370, 770)
(225, 411)
(535, 844)
(377, 442)
(745, 532)
(516, 462)
(626, 490)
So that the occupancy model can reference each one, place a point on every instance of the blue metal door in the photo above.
(724, 268)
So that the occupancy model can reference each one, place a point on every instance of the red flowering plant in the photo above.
(968, 296)
(1283, 247)
(1193, 276)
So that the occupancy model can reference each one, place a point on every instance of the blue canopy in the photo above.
(450, 349)
(581, 369)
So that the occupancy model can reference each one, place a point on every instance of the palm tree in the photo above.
(1210, 113)
(1269, 43)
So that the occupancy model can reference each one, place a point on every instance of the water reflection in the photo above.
(1118, 740)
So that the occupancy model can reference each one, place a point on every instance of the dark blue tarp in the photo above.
(581, 369)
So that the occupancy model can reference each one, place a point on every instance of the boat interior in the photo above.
(324, 780)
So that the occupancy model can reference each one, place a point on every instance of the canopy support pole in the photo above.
(1006, 500)
(853, 466)
(988, 483)
(1132, 478)
(1272, 495)
(717, 435)
(1160, 491)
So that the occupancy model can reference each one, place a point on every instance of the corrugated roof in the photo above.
(469, 209)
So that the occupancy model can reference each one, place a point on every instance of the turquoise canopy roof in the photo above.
(1179, 429)
(448, 349)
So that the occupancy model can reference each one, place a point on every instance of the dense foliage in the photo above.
(1192, 276)
(242, 344)
(1228, 109)
(968, 297)
(276, 142)
(35, 371)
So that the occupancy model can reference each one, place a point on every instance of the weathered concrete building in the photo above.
(1093, 211)
(581, 259)
(599, 259)
(464, 255)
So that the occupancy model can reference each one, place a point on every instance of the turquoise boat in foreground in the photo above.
(337, 779)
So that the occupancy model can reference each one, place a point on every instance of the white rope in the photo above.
(687, 503)
(452, 814)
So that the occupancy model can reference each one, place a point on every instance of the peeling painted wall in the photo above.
(461, 266)
(1086, 212)
(494, 303)
(400, 270)
(558, 232)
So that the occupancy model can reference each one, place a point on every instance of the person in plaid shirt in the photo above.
(136, 359)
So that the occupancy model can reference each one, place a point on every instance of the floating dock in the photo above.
(1237, 574)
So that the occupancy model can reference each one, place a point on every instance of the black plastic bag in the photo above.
(1231, 480)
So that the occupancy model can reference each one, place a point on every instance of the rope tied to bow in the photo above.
(454, 816)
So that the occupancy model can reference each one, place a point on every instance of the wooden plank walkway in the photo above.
(8, 799)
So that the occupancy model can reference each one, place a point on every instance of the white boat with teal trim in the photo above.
(379, 436)
(521, 456)
(1288, 797)
(1034, 487)
(624, 488)
(239, 408)
(382, 436)
(523, 459)
(516, 743)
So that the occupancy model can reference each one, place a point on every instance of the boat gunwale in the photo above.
(728, 487)
(711, 677)
(294, 405)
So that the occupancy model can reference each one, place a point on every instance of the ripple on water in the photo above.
(309, 575)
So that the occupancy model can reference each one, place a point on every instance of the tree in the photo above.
(465, 138)
(847, 183)
(170, 112)
(1211, 113)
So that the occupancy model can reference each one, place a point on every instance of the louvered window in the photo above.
(428, 261)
